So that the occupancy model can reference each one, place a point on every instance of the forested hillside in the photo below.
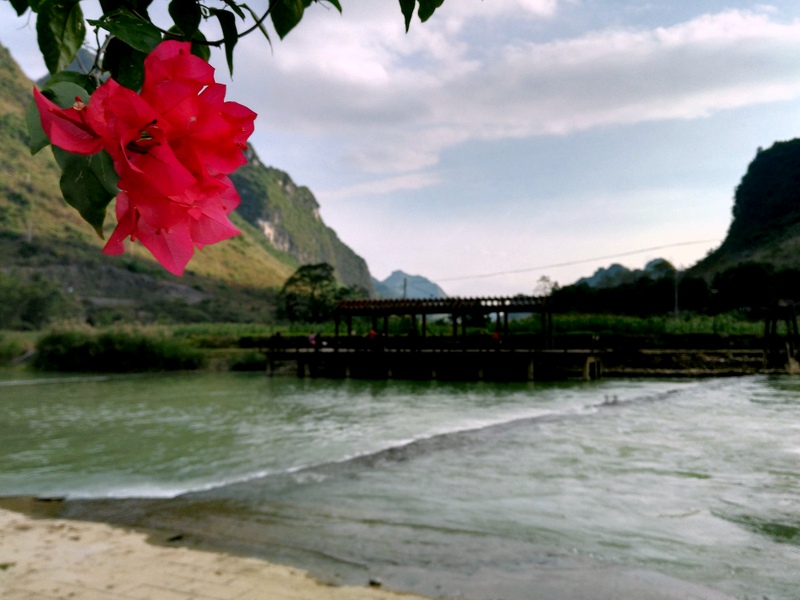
(756, 266)
(46, 246)
(288, 216)
(766, 214)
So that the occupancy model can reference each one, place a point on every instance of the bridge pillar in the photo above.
(270, 365)
(592, 368)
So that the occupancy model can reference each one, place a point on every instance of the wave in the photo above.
(405, 450)
(396, 451)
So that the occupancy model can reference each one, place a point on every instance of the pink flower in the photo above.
(67, 128)
(173, 146)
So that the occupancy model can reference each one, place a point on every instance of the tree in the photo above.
(28, 304)
(745, 287)
(146, 123)
(309, 295)
(545, 287)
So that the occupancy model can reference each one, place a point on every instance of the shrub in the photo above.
(251, 361)
(28, 303)
(115, 351)
(9, 350)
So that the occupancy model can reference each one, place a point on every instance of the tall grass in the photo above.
(572, 323)
(214, 335)
(115, 352)
(10, 348)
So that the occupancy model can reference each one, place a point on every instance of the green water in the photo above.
(471, 484)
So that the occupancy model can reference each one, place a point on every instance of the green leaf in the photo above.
(285, 15)
(336, 4)
(256, 18)
(125, 64)
(88, 184)
(20, 6)
(235, 8)
(63, 93)
(140, 34)
(39, 138)
(187, 16)
(136, 6)
(427, 7)
(227, 22)
(83, 81)
(407, 6)
(200, 49)
(60, 31)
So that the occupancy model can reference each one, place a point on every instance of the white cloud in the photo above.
(452, 15)
(412, 181)
(398, 101)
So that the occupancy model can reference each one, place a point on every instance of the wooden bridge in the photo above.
(495, 355)
(458, 309)
(498, 355)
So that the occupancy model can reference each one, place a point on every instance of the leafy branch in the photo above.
(61, 28)
(90, 182)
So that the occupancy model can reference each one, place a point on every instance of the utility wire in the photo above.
(574, 262)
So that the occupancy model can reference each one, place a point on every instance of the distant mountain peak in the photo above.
(617, 274)
(402, 285)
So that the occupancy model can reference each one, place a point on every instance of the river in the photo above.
(472, 489)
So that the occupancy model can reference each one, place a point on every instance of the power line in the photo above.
(574, 262)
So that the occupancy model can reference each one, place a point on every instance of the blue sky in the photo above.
(513, 136)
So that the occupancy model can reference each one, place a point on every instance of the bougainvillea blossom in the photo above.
(172, 145)
(67, 128)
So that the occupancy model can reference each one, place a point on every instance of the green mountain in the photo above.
(766, 214)
(43, 239)
(288, 216)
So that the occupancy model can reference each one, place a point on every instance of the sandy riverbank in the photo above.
(47, 559)
(58, 559)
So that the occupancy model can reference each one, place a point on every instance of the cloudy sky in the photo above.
(506, 140)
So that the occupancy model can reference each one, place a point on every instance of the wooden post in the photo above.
(270, 364)
(545, 334)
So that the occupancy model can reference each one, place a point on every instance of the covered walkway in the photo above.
(458, 309)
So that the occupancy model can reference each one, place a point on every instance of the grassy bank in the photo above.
(116, 351)
(225, 345)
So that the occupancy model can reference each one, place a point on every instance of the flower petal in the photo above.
(126, 226)
(67, 127)
(173, 248)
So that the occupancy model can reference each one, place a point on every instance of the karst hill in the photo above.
(42, 238)
(766, 214)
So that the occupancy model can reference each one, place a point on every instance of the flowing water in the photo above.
(471, 489)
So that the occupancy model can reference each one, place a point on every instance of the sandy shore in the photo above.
(45, 559)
